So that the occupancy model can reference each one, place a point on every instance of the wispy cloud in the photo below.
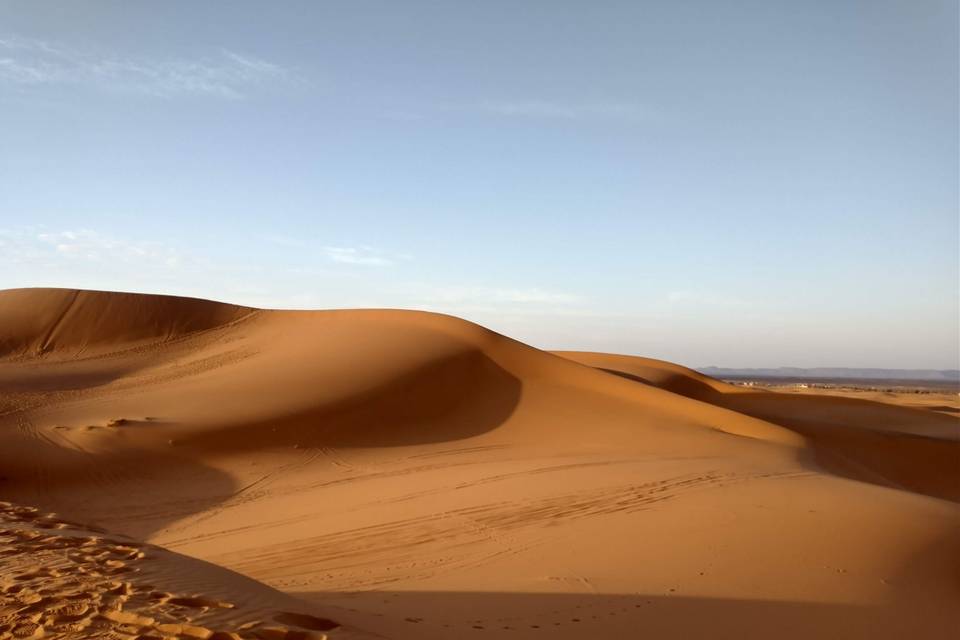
(317, 279)
(29, 62)
(564, 111)
(363, 256)
(32, 256)
(33, 247)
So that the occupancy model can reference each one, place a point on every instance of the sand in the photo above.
(935, 398)
(399, 474)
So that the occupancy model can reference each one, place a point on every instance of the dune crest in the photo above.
(70, 322)
(415, 475)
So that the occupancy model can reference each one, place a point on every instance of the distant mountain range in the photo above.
(819, 373)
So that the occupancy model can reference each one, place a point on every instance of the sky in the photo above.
(768, 183)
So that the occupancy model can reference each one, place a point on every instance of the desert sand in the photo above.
(935, 398)
(185, 469)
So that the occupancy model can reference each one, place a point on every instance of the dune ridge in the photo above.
(354, 458)
(75, 322)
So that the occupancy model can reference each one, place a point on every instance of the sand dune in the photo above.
(893, 445)
(412, 475)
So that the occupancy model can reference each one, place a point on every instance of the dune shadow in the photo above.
(141, 491)
(892, 444)
(855, 438)
(429, 615)
(135, 493)
(944, 408)
(460, 396)
(425, 615)
(628, 376)
(39, 377)
(680, 384)
(897, 608)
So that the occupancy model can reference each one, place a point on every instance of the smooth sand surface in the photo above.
(399, 474)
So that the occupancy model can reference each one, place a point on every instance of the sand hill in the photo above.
(183, 468)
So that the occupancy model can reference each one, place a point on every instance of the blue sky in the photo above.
(740, 184)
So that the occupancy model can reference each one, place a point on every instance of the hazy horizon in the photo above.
(759, 185)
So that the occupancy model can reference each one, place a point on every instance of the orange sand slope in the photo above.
(414, 475)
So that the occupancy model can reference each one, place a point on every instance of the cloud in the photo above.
(32, 256)
(29, 62)
(565, 111)
(32, 247)
(362, 255)
(317, 277)
(359, 255)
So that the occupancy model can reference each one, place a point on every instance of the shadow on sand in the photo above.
(460, 396)
(139, 491)
(864, 440)
(426, 615)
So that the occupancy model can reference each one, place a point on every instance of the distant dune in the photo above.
(182, 468)
(839, 373)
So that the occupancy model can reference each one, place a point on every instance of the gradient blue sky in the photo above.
(742, 184)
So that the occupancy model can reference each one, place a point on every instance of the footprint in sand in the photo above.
(28, 630)
(69, 612)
